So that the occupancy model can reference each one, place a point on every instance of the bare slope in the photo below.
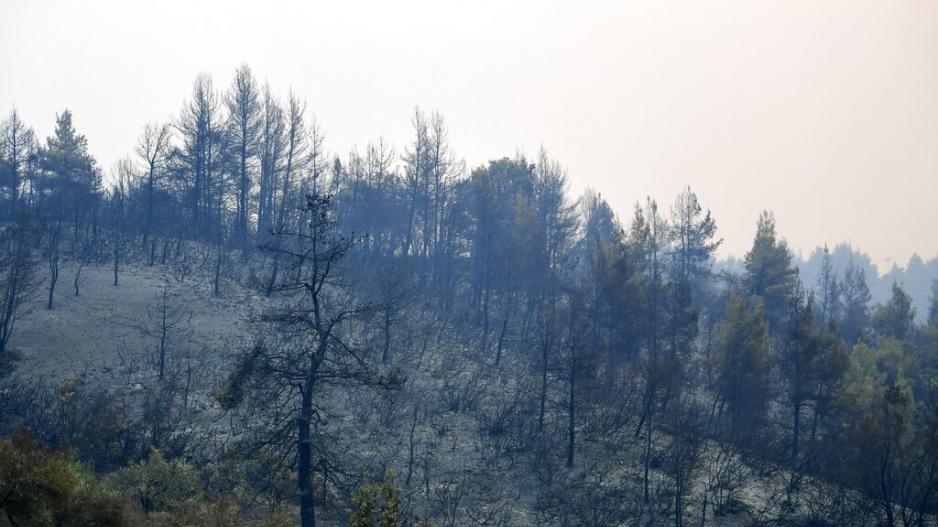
(106, 324)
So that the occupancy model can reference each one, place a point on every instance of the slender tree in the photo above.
(769, 272)
(17, 143)
(895, 318)
(70, 178)
(828, 291)
(152, 149)
(17, 274)
(855, 316)
(244, 115)
(742, 376)
(315, 348)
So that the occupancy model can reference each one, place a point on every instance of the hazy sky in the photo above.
(825, 112)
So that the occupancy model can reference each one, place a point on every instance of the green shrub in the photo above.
(158, 485)
(41, 486)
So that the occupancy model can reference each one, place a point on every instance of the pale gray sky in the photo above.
(825, 112)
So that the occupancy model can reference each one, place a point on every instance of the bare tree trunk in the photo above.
(305, 462)
(647, 461)
(117, 258)
(275, 270)
(571, 409)
(305, 441)
(386, 350)
(217, 275)
(703, 510)
(501, 335)
(410, 458)
(796, 434)
(53, 263)
(543, 401)
(484, 342)
(77, 283)
(678, 505)
(163, 338)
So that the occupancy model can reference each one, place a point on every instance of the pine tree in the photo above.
(827, 291)
(855, 315)
(879, 440)
(693, 236)
(243, 102)
(66, 157)
(933, 308)
(743, 367)
(390, 502)
(769, 272)
(813, 362)
(377, 505)
(70, 178)
(895, 318)
(363, 507)
(17, 144)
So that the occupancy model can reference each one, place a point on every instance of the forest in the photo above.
(392, 338)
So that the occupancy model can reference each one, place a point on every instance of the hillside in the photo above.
(447, 430)
(108, 327)
(269, 334)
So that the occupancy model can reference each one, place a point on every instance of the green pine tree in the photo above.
(743, 366)
(769, 271)
(895, 318)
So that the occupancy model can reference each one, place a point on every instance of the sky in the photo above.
(825, 113)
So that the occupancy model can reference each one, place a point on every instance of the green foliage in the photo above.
(814, 360)
(865, 380)
(933, 307)
(66, 160)
(694, 237)
(895, 318)
(363, 502)
(743, 369)
(278, 520)
(618, 296)
(828, 291)
(157, 484)
(90, 420)
(231, 394)
(855, 295)
(377, 504)
(769, 271)
(390, 508)
(40, 487)
(812, 363)
(882, 444)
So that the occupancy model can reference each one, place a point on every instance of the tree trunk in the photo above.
(540, 420)
(116, 263)
(305, 463)
(275, 270)
(410, 457)
(386, 349)
(53, 265)
(501, 335)
(796, 434)
(81, 264)
(163, 342)
(217, 276)
(571, 410)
